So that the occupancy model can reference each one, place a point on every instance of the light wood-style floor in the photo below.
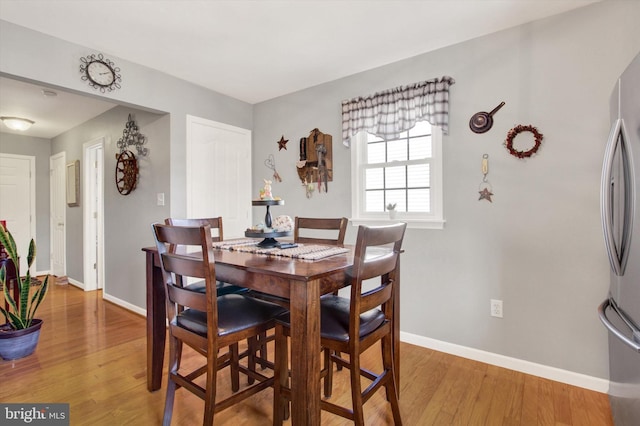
(92, 355)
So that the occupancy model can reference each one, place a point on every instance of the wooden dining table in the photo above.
(301, 281)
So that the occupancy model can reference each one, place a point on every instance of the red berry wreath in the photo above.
(519, 129)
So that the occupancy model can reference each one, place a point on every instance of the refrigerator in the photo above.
(620, 212)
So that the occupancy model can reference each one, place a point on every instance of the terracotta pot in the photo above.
(15, 344)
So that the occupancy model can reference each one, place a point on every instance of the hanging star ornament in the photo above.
(485, 194)
(282, 143)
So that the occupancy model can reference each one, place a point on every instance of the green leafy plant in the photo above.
(391, 206)
(21, 311)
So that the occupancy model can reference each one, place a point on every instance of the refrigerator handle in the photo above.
(617, 255)
(634, 343)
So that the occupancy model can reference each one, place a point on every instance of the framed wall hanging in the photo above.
(73, 184)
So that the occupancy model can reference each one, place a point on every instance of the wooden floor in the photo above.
(92, 355)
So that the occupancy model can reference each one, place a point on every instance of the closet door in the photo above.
(219, 174)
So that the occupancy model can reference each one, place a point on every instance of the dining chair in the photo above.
(217, 234)
(311, 230)
(352, 325)
(337, 225)
(205, 321)
(307, 230)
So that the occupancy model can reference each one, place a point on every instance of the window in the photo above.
(406, 171)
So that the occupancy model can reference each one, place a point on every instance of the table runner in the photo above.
(303, 251)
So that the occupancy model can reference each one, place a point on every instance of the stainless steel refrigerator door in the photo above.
(621, 222)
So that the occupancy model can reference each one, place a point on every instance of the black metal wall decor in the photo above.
(127, 164)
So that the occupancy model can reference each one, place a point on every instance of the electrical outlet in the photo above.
(496, 308)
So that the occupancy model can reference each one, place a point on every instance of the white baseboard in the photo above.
(124, 304)
(75, 283)
(540, 370)
(109, 298)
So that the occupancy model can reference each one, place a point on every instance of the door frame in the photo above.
(58, 187)
(93, 189)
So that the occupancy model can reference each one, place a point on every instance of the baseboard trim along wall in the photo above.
(75, 283)
(124, 304)
(527, 367)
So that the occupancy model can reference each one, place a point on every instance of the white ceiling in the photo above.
(259, 50)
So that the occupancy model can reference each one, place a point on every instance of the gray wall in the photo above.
(538, 246)
(23, 51)
(126, 218)
(41, 149)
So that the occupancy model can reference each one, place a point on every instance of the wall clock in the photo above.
(101, 73)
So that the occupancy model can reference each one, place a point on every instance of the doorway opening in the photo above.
(93, 215)
(58, 214)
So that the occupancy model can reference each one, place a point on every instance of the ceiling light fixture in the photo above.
(48, 93)
(17, 123)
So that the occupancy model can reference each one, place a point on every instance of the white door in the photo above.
(57, 213)
(219, 174)
(93, 218)
(18, 201)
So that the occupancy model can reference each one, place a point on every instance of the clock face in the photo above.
(100, 73)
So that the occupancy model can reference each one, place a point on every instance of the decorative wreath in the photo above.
(519, 129)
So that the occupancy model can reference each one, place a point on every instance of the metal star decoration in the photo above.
(485, 194)
(282, 143)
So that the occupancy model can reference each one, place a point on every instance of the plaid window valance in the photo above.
(387, 114)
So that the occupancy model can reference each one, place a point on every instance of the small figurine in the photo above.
(265, 193)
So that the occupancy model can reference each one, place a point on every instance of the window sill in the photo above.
(411, 223)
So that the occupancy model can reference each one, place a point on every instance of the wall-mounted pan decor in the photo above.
(482, 121)
(515, 132)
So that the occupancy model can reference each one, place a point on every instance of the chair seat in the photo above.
(253, 313)
(334, 319)
(221, 288)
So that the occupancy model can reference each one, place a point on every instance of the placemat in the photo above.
(303, 251)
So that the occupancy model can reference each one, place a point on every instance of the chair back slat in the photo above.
(375, 297)
(214, 222)
(317, 230)
(184, 265)
(184, 297)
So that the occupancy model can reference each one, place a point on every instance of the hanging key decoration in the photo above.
(270, 162)
(485, 189)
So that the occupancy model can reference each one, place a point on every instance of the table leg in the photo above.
(305, 352)
(156, 322)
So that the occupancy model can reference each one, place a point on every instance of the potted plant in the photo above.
(20, 334)
(391, 208)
